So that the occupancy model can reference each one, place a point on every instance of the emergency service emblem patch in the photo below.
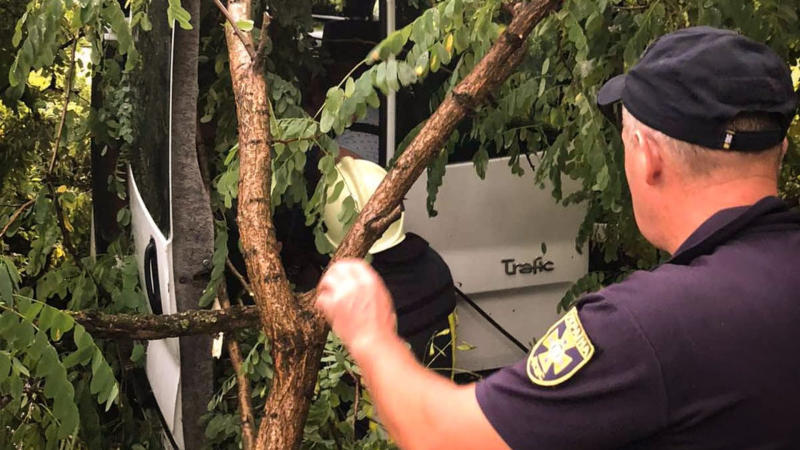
(561, 352)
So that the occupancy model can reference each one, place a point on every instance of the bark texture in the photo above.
(148, 327)
(295, 331)
(192, 227)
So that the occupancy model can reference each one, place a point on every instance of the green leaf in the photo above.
(41, 208)
(19, 367)
(176, 13)
(6, 286)
(30, 312)
(80, 356)
(406, 74)
(5, 366)
(337, 190)
(15, 78)
(391, 75)
(63, 323)
(350, 88)
(321, 242)
(245, 25)
(138, 352)
(47, 318)
(112, 396)
(348, 210)
(545, 66)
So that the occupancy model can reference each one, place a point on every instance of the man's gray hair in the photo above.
(697, 160)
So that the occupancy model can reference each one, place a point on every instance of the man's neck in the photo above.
(696, 206)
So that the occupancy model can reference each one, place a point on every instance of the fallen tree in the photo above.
(294, 328)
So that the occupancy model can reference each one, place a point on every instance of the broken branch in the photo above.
(148, 327)
(263, 38)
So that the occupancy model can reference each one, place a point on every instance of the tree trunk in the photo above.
(192, 228)
(295, 331)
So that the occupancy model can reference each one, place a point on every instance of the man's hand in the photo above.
(357, 304)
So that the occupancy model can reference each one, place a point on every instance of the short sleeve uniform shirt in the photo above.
(702, 352)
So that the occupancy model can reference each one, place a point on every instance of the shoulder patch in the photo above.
(561, 352)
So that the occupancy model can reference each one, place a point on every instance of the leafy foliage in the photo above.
(60, 389)
(35, 376)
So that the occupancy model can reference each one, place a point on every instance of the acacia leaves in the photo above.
(31, 368)
(45, 28)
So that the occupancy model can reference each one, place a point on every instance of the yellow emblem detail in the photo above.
(561, 352)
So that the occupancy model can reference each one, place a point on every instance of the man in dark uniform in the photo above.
(698, 353)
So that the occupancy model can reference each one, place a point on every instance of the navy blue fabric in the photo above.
(691, 83)
(422, 291)
(702, 352)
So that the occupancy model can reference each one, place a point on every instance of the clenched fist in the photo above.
(356, 303)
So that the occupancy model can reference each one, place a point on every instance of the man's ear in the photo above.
(651, 158)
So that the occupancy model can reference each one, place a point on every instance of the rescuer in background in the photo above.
(417, 277)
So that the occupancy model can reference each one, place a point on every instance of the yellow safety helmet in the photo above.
(361, 179)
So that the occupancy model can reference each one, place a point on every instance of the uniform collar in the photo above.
(727, 223)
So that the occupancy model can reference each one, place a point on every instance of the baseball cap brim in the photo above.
(609, 95)
(611, 92)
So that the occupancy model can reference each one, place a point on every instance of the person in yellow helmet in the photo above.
(416, 275)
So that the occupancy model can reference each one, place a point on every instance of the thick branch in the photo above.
(151, 327)
(295, 330)
(498, 64)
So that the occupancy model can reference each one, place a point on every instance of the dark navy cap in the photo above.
(690, 85)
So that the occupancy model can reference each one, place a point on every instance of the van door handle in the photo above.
(152, 286)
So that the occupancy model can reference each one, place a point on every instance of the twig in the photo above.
(352, 71)
(247, 44)
(289, 141)
(263, 38)
(239, 276)
(630, 8)
(15, 215)
(68, 91)
(242, 382)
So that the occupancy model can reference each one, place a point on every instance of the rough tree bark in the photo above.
(149, 327)
(192, 227)
(296, 333)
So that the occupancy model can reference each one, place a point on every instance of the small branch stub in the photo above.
(248, 44)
